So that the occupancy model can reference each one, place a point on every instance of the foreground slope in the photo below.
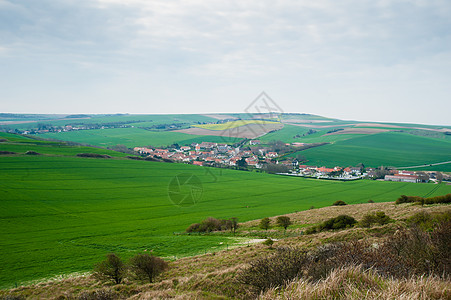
(213, 275)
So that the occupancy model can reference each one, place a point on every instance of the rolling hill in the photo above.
(61, 213)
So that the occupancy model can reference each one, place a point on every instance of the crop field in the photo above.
(233, 124)
(388, 149)
(130, 137)
(62, 214)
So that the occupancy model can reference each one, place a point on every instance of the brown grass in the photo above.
(355, 283)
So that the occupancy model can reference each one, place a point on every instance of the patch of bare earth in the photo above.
(250, 131)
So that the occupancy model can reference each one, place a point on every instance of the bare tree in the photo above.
(147, 267)
(112, 268)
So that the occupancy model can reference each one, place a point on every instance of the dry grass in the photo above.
(355, 283)
(315, 216)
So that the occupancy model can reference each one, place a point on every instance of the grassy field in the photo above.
(61, 214)
(130, 137)
(233, 124)
(388, 149)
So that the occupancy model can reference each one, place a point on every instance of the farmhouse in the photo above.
(254, 142)
(402, 178)
(272, 154)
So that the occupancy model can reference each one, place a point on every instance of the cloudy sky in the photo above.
(387, 60)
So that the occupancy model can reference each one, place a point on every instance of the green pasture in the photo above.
(21, 144)
(388, 149)
(62, 214)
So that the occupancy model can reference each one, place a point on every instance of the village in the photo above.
(225, 156)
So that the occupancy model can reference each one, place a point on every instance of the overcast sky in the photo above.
(362, 60)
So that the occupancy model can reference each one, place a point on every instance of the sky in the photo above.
(368, 60)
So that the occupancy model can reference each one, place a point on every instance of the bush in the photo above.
(268, 243)
(211, 224)
(408, 252)
(340, 222)
(7, 152)
(339, 203)
(419, 200)
(428, 221)
(111, 269)
(32, 153)
(100, 294)
(283, 221)
(147, 267)
(275, 270)
(375, 218)
(93, 155)
(265, 223)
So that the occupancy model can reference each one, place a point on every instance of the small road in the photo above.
(426, 165)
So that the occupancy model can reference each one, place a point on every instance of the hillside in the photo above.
(56, 204)
(214, 275)
(349, 142)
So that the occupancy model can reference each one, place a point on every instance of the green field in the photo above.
(61, 214)
(131, 137)
(388, 149)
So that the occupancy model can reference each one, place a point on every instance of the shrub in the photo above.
(268, 243)
(211, 224)
(283, 221)
(6, 152)
(340, 222)
(375, 218)
(32, 153)
(111, 269)
(265, 223)
(419, 200)
(100, 294)
(93, 155)
(275, 270)
(311, 230)
(339, 203)
(147, 267)
(428, 221)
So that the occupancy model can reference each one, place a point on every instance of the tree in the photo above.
(265, 223)
(147, 267)
(439, 177)
(234, 224)
(283, 221)
(242, 163)
(112, 268)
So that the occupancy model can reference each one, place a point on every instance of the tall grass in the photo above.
(353, 282)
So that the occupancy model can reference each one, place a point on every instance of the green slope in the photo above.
(62, 214)
(388, 149)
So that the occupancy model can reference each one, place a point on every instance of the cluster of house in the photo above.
(65, 128)
(332, 173)
(214, 154)
(208, 153)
